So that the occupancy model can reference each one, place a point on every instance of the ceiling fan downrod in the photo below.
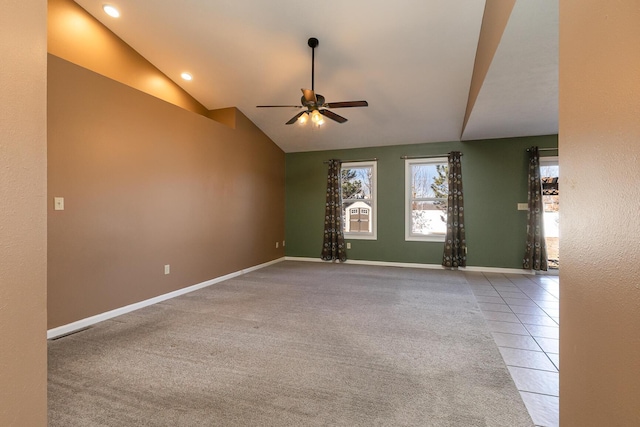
(313, 43)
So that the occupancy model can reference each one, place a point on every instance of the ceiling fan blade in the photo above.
(309, 95)
(333, 116)
(347, 104)
(295, 118)
(278, 106)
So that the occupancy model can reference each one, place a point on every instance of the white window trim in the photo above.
(374, 205)
(408, 236)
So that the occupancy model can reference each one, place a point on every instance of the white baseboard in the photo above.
(416, 265)
(84, 323)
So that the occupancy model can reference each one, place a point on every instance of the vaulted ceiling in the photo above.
(431, 70)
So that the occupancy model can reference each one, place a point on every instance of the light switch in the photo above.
(58, 203)
(523, 206)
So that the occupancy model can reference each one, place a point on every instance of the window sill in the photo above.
(425, 239)
(360, 237)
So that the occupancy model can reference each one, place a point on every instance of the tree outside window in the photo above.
(427, 193)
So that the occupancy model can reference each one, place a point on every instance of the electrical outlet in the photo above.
(167, 269)
(523, 206)
(283, 243)
(58, 203)
(277, 245)
(348, 245)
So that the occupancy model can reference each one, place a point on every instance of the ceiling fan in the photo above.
(315, 104)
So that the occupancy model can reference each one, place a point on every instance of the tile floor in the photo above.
(523, 315)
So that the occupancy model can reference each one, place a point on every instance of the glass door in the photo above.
(549, 173)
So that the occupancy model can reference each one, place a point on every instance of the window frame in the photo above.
(373, 235)
(408, 200)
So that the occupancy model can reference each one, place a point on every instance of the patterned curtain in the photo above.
(333, 246)
(535, 256)
(455, 245)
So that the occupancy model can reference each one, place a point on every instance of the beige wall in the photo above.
(23, 169)
(599, 158)
(146, 184)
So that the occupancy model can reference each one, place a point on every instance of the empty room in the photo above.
(284, 213)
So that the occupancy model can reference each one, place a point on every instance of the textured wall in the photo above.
(494, 179)
(23, 174)
(147, 183)
(600, 275)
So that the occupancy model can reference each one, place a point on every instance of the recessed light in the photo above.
(111, 11)
(186, 76)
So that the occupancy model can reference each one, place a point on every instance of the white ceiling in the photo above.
(412, 60)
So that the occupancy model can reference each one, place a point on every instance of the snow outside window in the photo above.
(426, 199)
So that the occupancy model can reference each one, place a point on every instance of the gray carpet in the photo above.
(293, 344)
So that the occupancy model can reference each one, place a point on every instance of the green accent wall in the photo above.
(494, 181)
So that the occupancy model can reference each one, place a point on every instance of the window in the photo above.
(359, 200)
(426, 199)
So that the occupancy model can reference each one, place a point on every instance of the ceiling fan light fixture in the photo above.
(303, 118)
(317, 118)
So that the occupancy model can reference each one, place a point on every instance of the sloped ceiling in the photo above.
(412, 60)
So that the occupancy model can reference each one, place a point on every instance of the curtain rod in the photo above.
(432, 156)
(544, 149)
(375, 159)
